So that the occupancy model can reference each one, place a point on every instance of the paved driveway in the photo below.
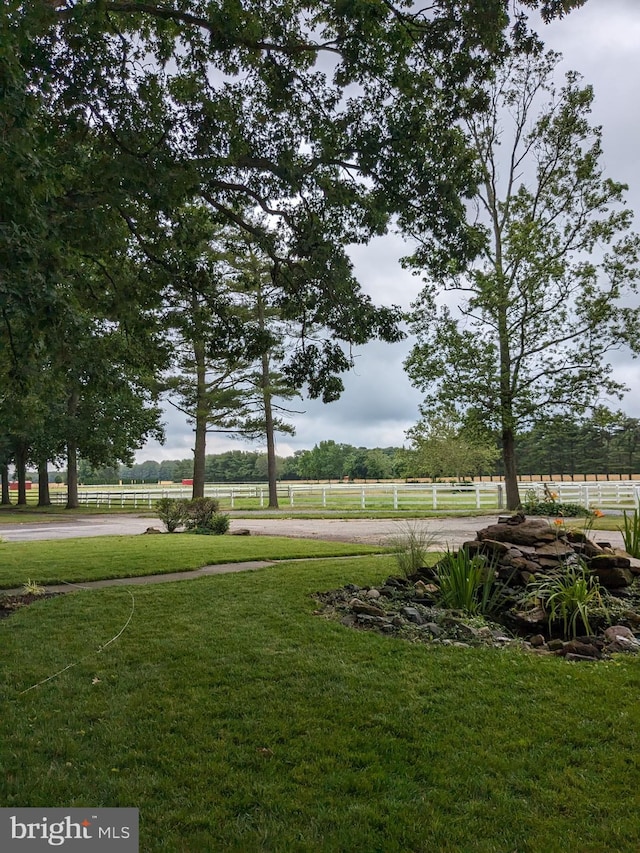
(444, 532)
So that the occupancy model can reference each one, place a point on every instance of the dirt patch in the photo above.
(9, 604)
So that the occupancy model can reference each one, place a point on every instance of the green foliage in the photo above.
(218, 525)
(446, 446)
(631, 533)
(200, 512)
(532, 505)
(172, 513)
(468, 583)
(570, 596)
(537, 322)
(410, 547)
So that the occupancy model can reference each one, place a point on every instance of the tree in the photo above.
(545, 302)
(444, 446)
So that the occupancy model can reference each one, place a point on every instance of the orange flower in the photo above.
(559, 521)
(597, 513)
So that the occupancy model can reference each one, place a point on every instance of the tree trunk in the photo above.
(44, 498)
(510, 472)
(6, 494)
(272, 474)
(200, 449)
(21, 473)
(72, 454)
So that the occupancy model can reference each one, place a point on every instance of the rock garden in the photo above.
(523, 582)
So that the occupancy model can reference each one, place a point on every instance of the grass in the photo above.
(34, 515)
(237, 720)
(101, 557)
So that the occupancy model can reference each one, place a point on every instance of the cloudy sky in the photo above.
(602, 42)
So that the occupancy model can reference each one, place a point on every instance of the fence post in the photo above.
(434, 496)
(395, 496)
(363, 502)
(500, 496)
(477, 490)
(261, 497)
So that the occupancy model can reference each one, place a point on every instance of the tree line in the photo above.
(605, 443)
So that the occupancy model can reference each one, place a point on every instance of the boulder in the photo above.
(533, 531)
(610, 575)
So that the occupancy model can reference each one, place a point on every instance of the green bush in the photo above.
(531, 505)
(172, 513)
(218, 526)
(200, 512)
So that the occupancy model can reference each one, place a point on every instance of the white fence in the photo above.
(369, 496)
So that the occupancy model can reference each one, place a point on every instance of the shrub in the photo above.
(218, 525)
(532, 505)
(410, 547)
(570, 597)
(172, 513)
(200, 512)
(468, 583)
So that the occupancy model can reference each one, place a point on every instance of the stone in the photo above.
(557, 549)
(240, 531)
(536, 616)
(493, 547)
(584, 650)
(619, 632)
(529, 532)
(367, 619)
(412, 615)
(537, 640)
(421, 588)
(152, 530)
(434, 629)
(362, 607)
(373, 593)
(526, 577)
(609, 574)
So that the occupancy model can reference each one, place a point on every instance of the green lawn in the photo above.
(237, 720)
(95, 558)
